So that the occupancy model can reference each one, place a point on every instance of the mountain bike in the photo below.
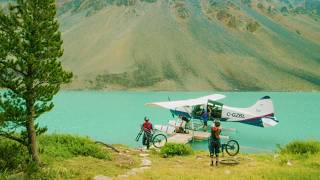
(155, 138)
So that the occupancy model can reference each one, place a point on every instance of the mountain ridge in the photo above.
(191, 44)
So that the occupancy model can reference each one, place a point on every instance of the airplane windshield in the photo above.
(213, 108)
(197, 111)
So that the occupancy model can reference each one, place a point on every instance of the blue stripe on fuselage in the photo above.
(254, 122)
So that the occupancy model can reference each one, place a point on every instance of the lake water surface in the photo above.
(114, 117)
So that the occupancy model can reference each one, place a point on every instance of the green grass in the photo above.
(68, 146)
(251, 166)
(64, 157)
(301, 147)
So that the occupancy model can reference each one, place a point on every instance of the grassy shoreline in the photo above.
(74, 157)
(251, 166)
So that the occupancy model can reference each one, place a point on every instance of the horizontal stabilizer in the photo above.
(266, 122)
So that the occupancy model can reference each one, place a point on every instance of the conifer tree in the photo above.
(30, 70)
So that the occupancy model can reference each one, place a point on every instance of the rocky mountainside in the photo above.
(192, 44)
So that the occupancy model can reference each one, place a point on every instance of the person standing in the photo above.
(205, 118)
(214, 142)
(147, 132)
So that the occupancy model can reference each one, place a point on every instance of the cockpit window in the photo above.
(198, 111)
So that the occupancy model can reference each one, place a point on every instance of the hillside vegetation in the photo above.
(192, 44)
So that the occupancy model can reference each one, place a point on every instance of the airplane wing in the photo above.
(188, 102)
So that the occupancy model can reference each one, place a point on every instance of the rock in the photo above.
(145, 168)
(146, 162)
(198, 157)
(100, 177)
(143, 149)
(123, 176)
(227, 172)
(143, 155)
(137, 170)
(164, 155)
(131, 173)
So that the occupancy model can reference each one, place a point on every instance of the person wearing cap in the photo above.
(214, 142)
(147, 129)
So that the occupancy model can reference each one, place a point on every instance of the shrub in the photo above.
(143, 76)
(13, 156)
(223, 14)
(173, 149)
(284, 10)
(298, 32)
(253, 26)
(301, 147)
(232, 22)
(260, 6)
(169, 72)
(68, 146)
(246, 2)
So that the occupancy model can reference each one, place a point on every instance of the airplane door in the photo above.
(214, 109)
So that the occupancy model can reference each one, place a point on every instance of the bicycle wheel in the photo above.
(232, 147)
(159, 140)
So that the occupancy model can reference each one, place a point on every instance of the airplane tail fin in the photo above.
(264, 110)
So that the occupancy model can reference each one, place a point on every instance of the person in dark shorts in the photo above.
(147, 132)
(214, 142)
(205, 118)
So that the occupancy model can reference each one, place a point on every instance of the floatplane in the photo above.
(195, 113)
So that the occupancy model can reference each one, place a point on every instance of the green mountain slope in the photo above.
(192, 44)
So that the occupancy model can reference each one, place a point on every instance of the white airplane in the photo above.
(260, 114)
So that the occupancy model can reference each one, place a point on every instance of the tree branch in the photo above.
(16, 70)
(14, 138)
(12, 87)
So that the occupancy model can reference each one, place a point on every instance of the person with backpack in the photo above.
(214, 142)
(147, 132)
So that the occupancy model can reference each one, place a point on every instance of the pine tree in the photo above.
(30, 72)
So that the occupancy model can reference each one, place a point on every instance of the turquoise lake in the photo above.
(115, 117)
